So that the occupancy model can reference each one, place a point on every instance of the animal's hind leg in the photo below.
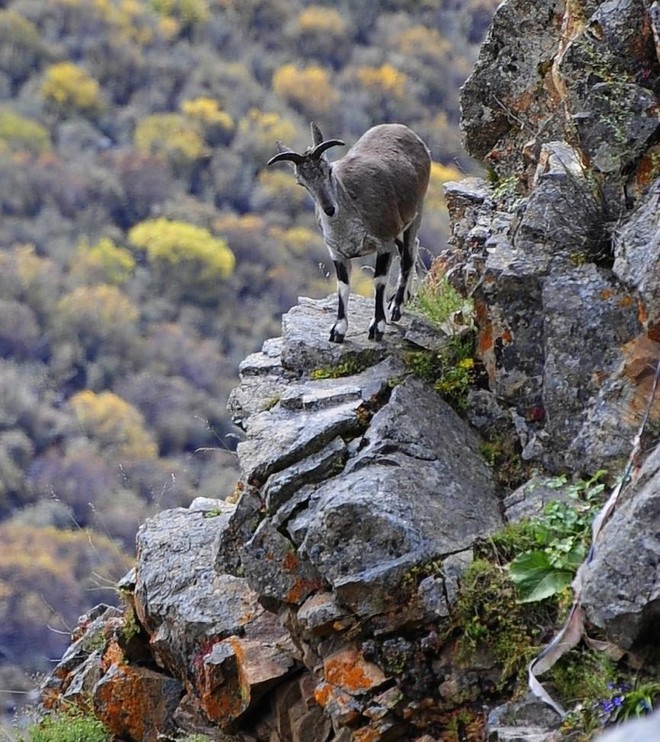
(343, 269)
(408, 248)
(377, 326)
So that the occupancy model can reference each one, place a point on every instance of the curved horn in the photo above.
(286, 155)
(321, 148)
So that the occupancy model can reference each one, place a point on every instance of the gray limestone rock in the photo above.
(305, 331)
(622, 583)
(417, 489)
(563, 215)
(637, 256)
(606, 73)
(527, 720)
(636, 730)
(274, 569)
(179, 598)
(328, 461)
(581, 306)
(503, 98)
(279, 437)
(529, 500)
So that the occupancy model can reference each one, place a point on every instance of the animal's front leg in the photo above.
(377, 326)
(338, 332)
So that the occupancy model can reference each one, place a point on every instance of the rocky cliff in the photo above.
(320, 600)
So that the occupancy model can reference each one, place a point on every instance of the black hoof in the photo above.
(335, 337)
(374, 334)
(395, 314)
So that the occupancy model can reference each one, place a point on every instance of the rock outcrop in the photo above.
(561, 252)
(315, 602)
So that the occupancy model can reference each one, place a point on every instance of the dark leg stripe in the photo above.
(382, 264)
(341, 310)
(342, 271)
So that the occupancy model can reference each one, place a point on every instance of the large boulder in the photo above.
(622, 583)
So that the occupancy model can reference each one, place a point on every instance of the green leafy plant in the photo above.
(348, 367)
(562, 535)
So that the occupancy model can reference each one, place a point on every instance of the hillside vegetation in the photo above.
(145, 249)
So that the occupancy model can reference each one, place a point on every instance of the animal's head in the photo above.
(312, 169)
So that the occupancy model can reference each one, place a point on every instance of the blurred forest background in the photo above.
(145, 250)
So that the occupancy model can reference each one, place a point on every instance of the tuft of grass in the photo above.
(71, 725)
(440, 303)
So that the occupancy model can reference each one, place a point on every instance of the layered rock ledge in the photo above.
(362, 493)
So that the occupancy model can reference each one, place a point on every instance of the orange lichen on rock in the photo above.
(113, 655)
(135, 703)
(322, 693)
(348, 669)
(301, 589)
(641, 358)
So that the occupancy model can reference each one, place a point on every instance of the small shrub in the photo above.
(439, 302)
(102, 263)
(172, 136)
(215, 123)
(184, 257)
(20, 133)
(71, 88)
(309, 89)
(114, 423)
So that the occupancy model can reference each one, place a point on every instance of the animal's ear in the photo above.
(317, 136)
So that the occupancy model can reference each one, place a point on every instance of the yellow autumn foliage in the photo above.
(102, 263)
(101, 319)
(114, 424)
(172, 136)
(184, 256)
(385, 80)
(425, 43)
(320, 20)
(69, 86)
(440, 174)
(49, 577)
(308, 89)
(188, 12)
(20, 133)
(214, 122)
(267, 127)
(207, 111)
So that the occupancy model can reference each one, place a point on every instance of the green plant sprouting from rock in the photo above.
(450, 369)
(488, 616)
(562, 534)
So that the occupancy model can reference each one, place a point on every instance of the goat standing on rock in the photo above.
(369, 201)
